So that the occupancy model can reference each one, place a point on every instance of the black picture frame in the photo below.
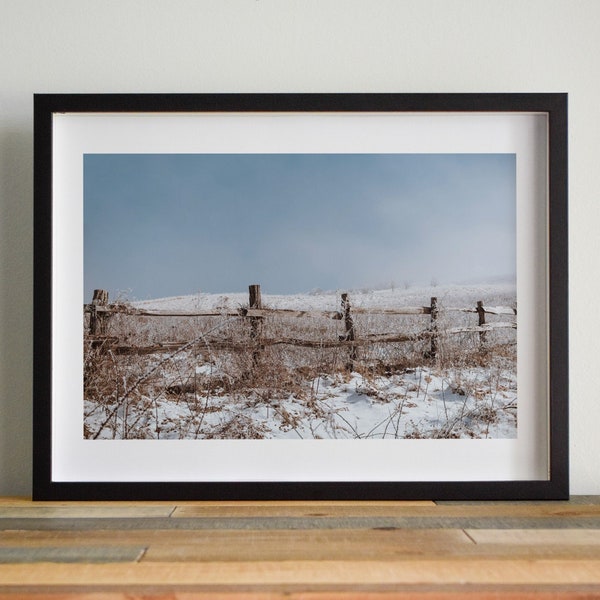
(553, 105)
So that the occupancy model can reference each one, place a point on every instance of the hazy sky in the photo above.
(164, 225)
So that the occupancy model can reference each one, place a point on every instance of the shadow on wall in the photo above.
(16, 306)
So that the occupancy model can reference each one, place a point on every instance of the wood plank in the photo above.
(310, 545)
(262, 545)
(359, 551)
(142, 312)
(20, 501)
(562, 510)
(261, 548)
(515, 537)
(401, 310)
(260, 312)
(288, 312)
(299, 509)
(392, 338)
(578, 499)
(490, 310)
(70, 554)
(549, 593)
(332, 573)
(480, 328)
(398, 538)
(500, 310)
(82, 511)
(232, 545)
(307, 523)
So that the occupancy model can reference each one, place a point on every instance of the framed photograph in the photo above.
(301, 296)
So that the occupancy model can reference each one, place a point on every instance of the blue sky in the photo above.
(164, 225)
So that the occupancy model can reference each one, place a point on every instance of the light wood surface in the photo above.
(299, 550)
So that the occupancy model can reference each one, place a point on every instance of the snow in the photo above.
(447, 295)
(424, 401)
(418, 403)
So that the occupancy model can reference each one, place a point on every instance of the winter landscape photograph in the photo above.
(300, 296)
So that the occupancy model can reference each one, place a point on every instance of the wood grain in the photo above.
(70, 554)
(85, 512)
(302, 509)
(338, 545)
(300, 550)
(270, 545)
(324, 572)
(399, 510)
(531, 537)
(549, 593)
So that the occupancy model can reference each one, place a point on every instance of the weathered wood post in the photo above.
(481, 313)
(349, 325)
(433, 327)
(255, 301)
(98, 318)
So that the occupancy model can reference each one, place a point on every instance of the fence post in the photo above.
(481, 313)
(255, 301)
(433, 326)
(349, 325)
(98, 319)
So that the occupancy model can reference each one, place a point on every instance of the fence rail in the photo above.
(100, 312)
(258, 312)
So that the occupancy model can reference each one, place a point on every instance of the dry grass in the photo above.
(122, 391)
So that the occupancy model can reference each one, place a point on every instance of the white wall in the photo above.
(295, 46)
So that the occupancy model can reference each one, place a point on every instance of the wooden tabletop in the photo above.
(300, 550)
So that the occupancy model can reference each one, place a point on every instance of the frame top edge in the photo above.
(299, 102)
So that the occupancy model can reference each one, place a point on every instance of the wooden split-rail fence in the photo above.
(100, 311)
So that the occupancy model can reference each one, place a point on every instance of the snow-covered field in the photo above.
(503, 293)
(391, 391)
